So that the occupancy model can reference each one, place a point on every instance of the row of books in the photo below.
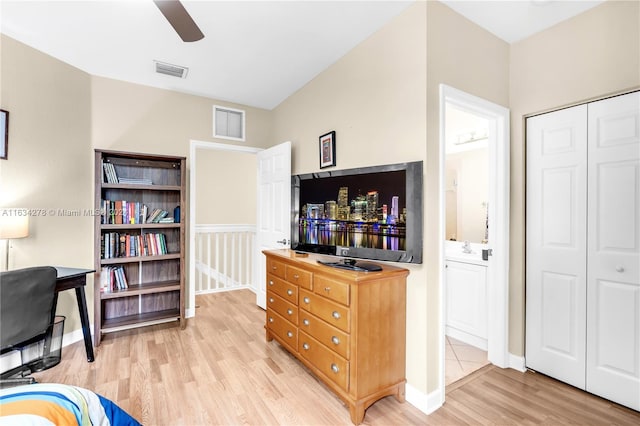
(111, 176)
(114, 244)
(113, 278)
(110, 173)
(131, 212)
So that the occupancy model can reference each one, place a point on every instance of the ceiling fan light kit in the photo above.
(180, 20)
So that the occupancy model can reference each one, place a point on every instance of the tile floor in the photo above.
(461, 359)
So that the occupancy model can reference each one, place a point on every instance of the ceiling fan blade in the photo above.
(179, 19)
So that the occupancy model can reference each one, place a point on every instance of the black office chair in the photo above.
(27, 298)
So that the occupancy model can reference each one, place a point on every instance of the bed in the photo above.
(49, 404)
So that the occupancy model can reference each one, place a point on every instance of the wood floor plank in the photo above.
(221, 371)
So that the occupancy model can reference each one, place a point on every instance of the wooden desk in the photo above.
(76, 278)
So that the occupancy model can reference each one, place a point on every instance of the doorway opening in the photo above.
(466, 238)
(231, 227)
(476, 249)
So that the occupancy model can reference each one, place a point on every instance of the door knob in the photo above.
(619, 268)
(283, 241)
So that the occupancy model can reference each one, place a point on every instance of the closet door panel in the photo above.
(613, 286)
(556, 244)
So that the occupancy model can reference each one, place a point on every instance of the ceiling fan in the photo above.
(180, 19)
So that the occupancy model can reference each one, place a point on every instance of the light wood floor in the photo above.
(220, 371)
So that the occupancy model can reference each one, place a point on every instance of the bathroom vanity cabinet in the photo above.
(466, 296)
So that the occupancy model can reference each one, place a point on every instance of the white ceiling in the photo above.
(254, 53)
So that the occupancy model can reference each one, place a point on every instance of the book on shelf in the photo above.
(113, 278)
(159, 216)
(123, 212)
(115, 245)
(110, 173)
(135, 181)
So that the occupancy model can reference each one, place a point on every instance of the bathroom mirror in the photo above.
(466, 178)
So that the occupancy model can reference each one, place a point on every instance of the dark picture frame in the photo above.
(328, 150)
(4, 133)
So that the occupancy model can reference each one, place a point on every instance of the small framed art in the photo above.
(4, 133)
(328, 150)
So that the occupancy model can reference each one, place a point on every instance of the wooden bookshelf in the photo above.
(154, 291)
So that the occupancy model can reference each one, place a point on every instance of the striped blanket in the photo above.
(56, 404)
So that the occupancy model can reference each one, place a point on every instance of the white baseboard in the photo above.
(517, 363)
(190, 312)
(427, 403)
(74, 336)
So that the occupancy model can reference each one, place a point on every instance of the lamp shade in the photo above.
(14, 223)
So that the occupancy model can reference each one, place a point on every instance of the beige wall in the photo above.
(131, 117)
(50, 166)
(592, 55)
(374, 98)
(453, 43)
(226, 191)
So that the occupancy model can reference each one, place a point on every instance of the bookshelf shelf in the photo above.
(147, 288)
(138, 290)
(141, 187)
(130, 259)
(140, 320)
(125, 226)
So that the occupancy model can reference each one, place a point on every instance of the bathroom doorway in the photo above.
(466, 238)
(475, 240)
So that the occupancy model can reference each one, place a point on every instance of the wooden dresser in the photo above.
(347, 327)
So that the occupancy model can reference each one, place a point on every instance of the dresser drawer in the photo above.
(328, 362)
(331, 312)
(282, 288)
(332, 337)
(332, 289)
(302, 278)
(289, 311)
(276, 268)
(282, 328)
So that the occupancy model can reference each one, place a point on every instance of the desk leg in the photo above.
(84, 319)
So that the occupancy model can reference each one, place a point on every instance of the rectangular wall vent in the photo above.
(172, 70)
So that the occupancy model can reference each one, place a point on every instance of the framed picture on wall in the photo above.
(4, 133)
(328, 150)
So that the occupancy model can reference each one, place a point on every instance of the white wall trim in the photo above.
(194, 146)
(517, 363)
(427, 403)
(498, 268)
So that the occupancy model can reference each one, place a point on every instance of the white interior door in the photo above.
(274, 208)
(613, 298)
(556, 244)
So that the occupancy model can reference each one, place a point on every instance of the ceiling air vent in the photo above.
(172, 70)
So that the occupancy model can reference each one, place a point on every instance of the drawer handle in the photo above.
(290, 334)
(305, 321)
(289, 311)
(271, 300)
(619, 268)
(305, 346)
(270, 319)
(336, 314)
(335, 340)
(334, 368)
(290, 292)
(327, 289)
(275, 268)
(306, 300)
(270, 282)
(296, 276)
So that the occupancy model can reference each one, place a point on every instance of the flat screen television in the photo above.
(367, 213)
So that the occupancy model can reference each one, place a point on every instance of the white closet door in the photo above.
(556, 244)
(613, 309)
